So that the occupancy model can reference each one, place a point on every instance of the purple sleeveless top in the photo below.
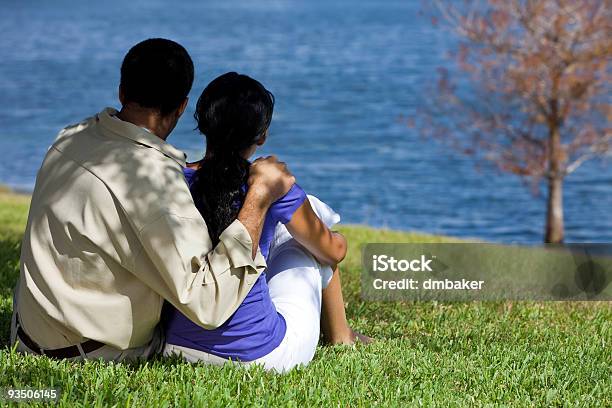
(255, 328)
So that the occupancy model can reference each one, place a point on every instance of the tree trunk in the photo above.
(554, 210)
(554, 207)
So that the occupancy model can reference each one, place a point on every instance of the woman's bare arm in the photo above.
(306, 227)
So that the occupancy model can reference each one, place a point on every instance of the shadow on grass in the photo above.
(10, 248)
(5, 325)
(62, 371)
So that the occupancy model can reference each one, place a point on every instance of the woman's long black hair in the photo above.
(233, 112)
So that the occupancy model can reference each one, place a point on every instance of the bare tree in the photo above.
(531, 92)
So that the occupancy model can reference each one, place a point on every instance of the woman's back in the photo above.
(256, 328)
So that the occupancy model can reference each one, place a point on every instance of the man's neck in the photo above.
(145, 118)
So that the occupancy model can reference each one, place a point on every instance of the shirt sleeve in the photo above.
(283, 209)
(206, 284)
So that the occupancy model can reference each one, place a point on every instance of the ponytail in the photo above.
(219, 189)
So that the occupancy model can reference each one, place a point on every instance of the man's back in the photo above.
(96, 191)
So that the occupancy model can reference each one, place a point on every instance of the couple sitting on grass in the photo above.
(130, 252)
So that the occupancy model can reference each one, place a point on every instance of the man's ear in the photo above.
(182, 107)
(121, 95)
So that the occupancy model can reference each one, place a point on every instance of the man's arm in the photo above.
(208, 285)
(269, 180)
(252, 215)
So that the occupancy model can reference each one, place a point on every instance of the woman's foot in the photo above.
(350, 337)
(362, 338)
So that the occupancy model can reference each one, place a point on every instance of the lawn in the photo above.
(431, 354)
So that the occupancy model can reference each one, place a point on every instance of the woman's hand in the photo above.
(268, 181)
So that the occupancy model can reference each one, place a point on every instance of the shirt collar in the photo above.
(140, 135)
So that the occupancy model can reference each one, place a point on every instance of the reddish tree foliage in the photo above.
(533, 95)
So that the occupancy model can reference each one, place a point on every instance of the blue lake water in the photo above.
(343, 72)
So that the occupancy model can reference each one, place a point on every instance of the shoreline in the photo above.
(7, 191)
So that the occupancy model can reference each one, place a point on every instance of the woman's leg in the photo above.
(295, 281)
(334, 325)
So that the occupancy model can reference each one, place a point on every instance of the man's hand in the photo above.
(270, 178)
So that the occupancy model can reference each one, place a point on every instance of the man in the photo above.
(113, 230)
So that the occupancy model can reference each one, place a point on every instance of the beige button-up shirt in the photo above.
(112, 232)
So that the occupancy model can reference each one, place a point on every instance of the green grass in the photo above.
(432, 354)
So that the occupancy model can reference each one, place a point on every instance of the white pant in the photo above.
(295, 280)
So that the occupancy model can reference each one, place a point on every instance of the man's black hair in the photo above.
(157, 74)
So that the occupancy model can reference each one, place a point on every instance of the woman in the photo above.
(279, 322)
